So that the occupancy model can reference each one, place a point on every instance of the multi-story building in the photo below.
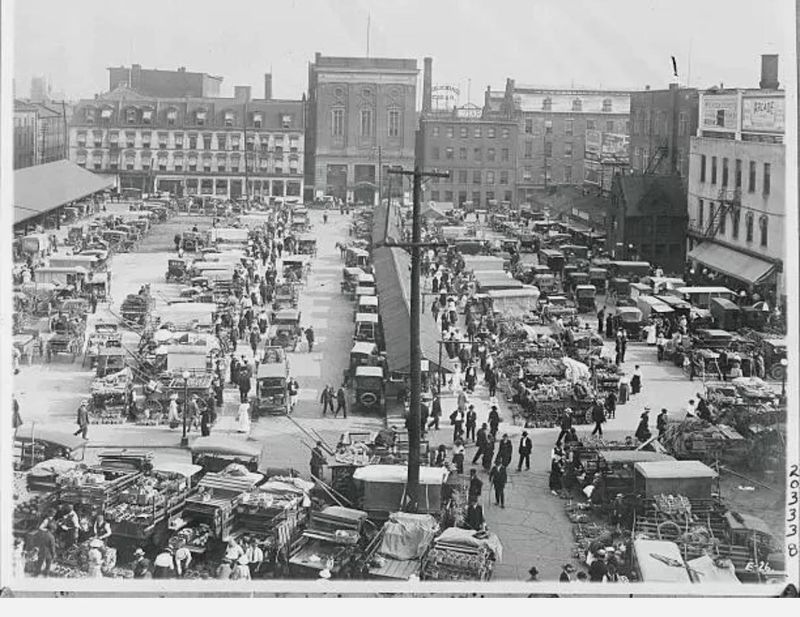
(736, 195)
(223, 147)
(51, 132)
(161, 83)
(40, 90)
(25, 142)
(552, 129)
(361, 120)
(479, 153)
(662, 123)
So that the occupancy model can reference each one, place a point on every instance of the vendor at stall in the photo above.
(141, 565)
(101, 529)
(164, 565)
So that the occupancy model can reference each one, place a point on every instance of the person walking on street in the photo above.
(475, 484)
(480, 440)
(317, 460)
(565, 424)
(601, 317)
(491, 382)
(341, 402)
(494, 421)
(623, 346)
(83, 420)
(505, 451)
(310, 338)
(436, 413)
(472, 421)
(643, 431)
(488, 452)
(458, 456)
(457, 420)
(598, 416)
(255, 339)
(498, 478)
(661, 423)
(244, 383)
(205, 422)
(636, 379)
(326, 398)
(525, 449)
(294, 390)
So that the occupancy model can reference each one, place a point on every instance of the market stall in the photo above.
(462, 554)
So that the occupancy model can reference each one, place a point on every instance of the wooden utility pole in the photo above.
(412, 484)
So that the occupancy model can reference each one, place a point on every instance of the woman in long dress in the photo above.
(243, 418)
(173, 416)
(651, 334)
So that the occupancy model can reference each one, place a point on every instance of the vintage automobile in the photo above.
(177, 270)
(584, 296)
(73, 277)
(284, 330)
(368, 388)
(307, 245)
(546, 281)
(367, 304)
(356, 258)
(110, 360)
(629, 319)
(350, 279)
(286, 296)
(363, 353)
(215, 452)
(295, 267)
(34, 444)
(726, 314)
(575, 278)
(368, 328)
(192, 241)
(619, 288)
(553, 259)
(652, 307)
(272, 396)
(598, 278)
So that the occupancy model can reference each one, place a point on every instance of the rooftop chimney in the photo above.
(427, 87)
(241, 94)
(267, 86)
(769, 72)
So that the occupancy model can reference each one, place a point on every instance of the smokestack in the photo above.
(135, 81)
(267, 86)
(427, 85)
(241, 94)
(769, 72)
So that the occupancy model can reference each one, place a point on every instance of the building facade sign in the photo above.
(614, 148)
(763, 114)
(594, 144)
(719, 113)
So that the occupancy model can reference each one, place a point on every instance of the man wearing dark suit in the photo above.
(498, 477)
(480, 441)
(525, 449)
(474, 517)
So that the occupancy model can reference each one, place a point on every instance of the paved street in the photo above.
(533, 527)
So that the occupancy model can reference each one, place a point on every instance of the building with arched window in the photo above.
(361, 116)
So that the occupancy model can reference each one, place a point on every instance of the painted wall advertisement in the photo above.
(594, 144)
(614, 148)
(719, 113)
(763, 114)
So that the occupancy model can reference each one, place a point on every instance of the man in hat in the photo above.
(498, 478)
(565, 424)
(294, 390)
(472, 420)
(244, 381)
(566, 573)
(436, 413)
(83, 419)
(702, 410)
(141, 565)
(326, 398)
(341, 402)
(494, 420)
(505, 451)
(45, 542)
(474, 515)
(661, 423)
(475, 484)
(643, 430)
(597, 569)
(525, 449)
(310, 338)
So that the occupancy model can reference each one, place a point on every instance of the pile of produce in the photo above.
(78, 557)
(196, 537)
(696, 439)
(448, 564)
(355, 454)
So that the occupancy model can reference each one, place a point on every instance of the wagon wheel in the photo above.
(153, 407)
(777, 372)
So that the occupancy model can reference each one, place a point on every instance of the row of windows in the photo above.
(766, 174)
(477, 132)
(547, 149)
(647, 122)
(206, 186)
(527, 174)
(177, 165)
(477, 196)
(462, 176)
(367, 122)
(577, 104)
(735, 218)
(199, 117)
(568, 126)
(477, 154)
(192, 140)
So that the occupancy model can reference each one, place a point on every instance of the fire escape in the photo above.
(661, 152)
(730, 200)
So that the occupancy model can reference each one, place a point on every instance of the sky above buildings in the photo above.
(474, 43)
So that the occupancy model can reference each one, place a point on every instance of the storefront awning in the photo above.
(42, 188)
(729, 262)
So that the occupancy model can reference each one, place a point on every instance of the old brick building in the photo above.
(479, 153)
(662, 123)
(216, 146)
(161, 83)
(361, 116)
(552, 128)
